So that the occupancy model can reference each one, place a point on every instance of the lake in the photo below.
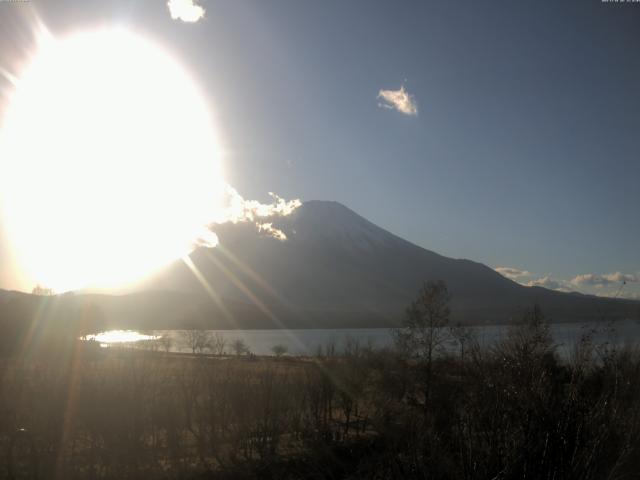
(307, 342)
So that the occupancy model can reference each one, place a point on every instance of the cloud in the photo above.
(585, 283)
(207, 238)
(589, 279)
(399, 100)
(619, 277)
(595, 280)
(619, 294)
(185, 10)
(271, 231)
(238, 210)
(512, 273)
(548, 282)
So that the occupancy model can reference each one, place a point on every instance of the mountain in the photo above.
(337, 269)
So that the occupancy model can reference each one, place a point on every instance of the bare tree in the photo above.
(423, 333)
(239, 347)
(463, 336)
(197, 340)
(43, 291)
(219, 343)
(279, 350)
(165, 342)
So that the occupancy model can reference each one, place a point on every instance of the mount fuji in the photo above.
(335, 269)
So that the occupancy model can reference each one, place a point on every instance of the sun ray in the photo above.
(73, 380)
(47, 307)
(210, 291)
(10, 77)
(247, 270)
(256, 301)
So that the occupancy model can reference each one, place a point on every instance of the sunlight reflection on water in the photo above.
(120, 336)
(308, 341)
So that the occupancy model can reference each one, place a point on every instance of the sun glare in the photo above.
(109, 164)
(120, 336)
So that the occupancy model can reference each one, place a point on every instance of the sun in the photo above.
(109, 163)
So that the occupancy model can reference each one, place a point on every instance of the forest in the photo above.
(437, 405)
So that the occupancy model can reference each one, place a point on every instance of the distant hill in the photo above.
(336, 269)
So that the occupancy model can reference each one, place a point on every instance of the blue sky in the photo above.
(524, 150)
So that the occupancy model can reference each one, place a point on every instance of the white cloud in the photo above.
(619, 277)
(271, 230)
(513, 273)
(588, 283)
(239, 210)
(548, 282)
(399, 100)
(620, 294)
(185, 10)
(207, 238)
(589, 279)
(595, 280)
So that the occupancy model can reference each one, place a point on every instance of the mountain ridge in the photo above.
(335, 260)
(336, 269)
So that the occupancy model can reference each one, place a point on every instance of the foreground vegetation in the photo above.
(511, 410)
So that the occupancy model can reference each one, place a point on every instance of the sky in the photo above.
(499, 131)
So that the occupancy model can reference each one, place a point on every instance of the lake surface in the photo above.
(307, 342)
(113, 337)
